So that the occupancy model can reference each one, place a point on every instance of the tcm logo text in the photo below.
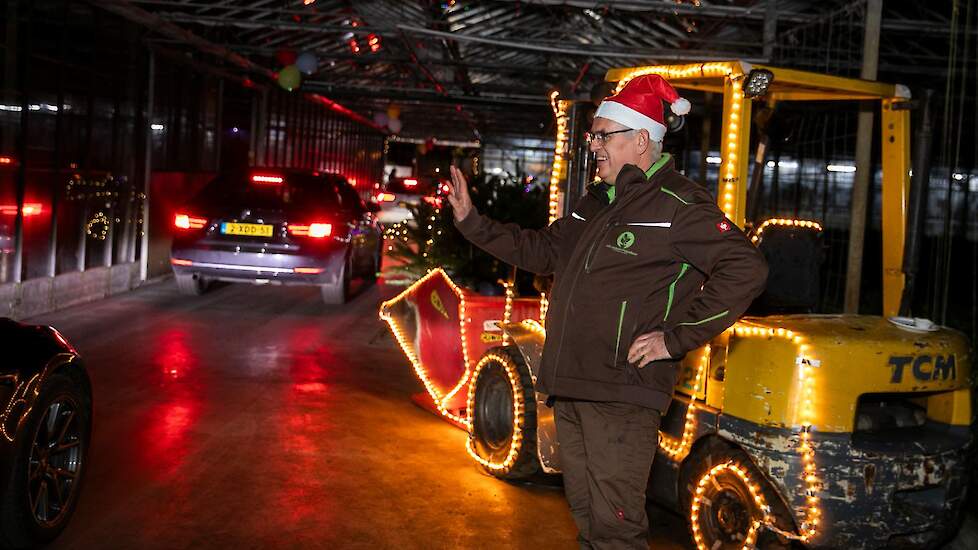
(923, 367)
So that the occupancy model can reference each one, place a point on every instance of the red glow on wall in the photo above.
(345, 112)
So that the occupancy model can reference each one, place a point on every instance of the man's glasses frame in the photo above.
(602, 137)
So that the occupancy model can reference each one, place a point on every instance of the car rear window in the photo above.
(295, 189)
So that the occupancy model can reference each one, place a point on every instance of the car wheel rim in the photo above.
(55, 462)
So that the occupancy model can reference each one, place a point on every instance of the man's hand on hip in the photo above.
(458, 195)
(648, 347)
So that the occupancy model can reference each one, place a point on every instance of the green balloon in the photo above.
(289, 77)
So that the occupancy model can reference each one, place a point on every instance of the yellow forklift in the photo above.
(832, 431)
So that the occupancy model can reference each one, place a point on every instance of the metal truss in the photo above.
(472, 54)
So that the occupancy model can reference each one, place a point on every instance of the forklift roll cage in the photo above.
(727, 78)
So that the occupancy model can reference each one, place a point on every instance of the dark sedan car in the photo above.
(277, 227)
(45, 430)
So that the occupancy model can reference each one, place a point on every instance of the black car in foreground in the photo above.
(277, 227)
(45, 432)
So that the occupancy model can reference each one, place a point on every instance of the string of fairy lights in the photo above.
(98, 226)
(784, 222)
(676, 448)
(519, 409)
(731, 167)
(699, 499)
(559, 168)
(806, 363)
(441, 400)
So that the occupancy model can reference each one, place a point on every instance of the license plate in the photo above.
(246, 229)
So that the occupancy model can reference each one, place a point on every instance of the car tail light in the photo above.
(384, 197)
(187, 221)
(308, 270)
(178, 261)
(410, 183)
(29, 209)
(267, 179)
(316, 230)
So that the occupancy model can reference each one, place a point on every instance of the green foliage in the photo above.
(430, 240)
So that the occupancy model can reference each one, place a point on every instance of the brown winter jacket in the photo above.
(660, 256)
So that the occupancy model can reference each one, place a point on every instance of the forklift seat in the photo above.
(793, 250)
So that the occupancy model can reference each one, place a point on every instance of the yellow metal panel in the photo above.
(694, 363)
(715, 87)
(734, 153)
(818, 86)
(896, 185)
(828, 84)
(759, 381)
(717, 369)
(818, 96)
(856, 355)
(950, 407)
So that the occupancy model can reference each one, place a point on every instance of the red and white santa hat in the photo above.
(639, 105)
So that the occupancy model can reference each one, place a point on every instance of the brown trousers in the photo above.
(606, 452)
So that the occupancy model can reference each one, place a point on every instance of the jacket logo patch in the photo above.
(626, 240)
(723, 226)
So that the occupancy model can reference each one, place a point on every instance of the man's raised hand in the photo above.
(458, 195)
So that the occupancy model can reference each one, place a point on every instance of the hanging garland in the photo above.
(98, 227)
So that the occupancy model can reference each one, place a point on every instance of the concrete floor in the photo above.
(255, 417)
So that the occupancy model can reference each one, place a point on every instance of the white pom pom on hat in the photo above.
(681, 106)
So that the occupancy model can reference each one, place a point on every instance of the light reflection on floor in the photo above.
(257, 417)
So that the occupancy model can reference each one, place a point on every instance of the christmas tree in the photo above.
(430, 240)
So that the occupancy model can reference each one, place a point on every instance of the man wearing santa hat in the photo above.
(646, 269)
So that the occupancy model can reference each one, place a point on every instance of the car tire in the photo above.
(191, 284)
(726, 505)
(374, 272)
(502, 412)
(339, 292)
(29, 516)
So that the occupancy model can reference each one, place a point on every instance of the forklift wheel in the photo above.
(503, 415)
(724, 514)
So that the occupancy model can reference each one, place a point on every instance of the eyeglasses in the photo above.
(602, 137)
